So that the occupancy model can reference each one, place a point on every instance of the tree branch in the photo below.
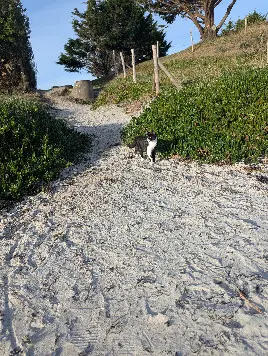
(196, 22)
(217, 2)
(179, 8)
(190, 14)
(229, 8)
(200, 12)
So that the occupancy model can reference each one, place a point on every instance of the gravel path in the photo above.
(121, 258)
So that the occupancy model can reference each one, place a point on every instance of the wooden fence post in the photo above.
(115, 64)
(192, 41)
(157, 49)
(133, 66)
(123, 64)
(153, 83)
(169, 75)
(156, 74)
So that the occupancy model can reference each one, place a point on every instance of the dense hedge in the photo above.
(221, 120)
(34, 147)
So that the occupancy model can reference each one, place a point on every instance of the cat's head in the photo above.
(151, 135)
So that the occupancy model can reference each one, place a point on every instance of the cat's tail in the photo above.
(132, 145)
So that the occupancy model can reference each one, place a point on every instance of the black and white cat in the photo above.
(146, 144)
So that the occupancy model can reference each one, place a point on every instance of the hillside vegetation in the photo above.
(34, 146)
(209, 60)
(220, 121)
(219, 115)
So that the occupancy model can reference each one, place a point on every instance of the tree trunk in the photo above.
(24, 79)
(210, 30)
(210, 33)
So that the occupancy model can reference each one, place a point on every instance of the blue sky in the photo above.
(51, 27)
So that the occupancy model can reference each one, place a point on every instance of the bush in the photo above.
(34, 147)
(224, 120)
(252, 18)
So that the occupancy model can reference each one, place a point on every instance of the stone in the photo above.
(83, 90)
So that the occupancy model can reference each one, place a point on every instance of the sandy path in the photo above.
(119, 258)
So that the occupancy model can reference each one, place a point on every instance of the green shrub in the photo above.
(252, 18)
(213, 121)
(34, 147)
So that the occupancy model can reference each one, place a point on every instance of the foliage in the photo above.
(210, 60)
(81, 54)
(201, 13)
(34, 146)
(124, 90)
(252, 18)
(106, 26)
(17, 64)
(223, 120)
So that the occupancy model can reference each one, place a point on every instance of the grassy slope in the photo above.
(209, 60)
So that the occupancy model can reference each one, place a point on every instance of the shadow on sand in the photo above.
(104, 138)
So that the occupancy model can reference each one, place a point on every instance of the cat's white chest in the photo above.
(151, 146)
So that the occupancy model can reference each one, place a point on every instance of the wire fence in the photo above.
(188, 43)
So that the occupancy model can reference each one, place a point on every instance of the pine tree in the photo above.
(17, 68)
(109, 25)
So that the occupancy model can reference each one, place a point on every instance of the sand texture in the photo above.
(121, 258)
